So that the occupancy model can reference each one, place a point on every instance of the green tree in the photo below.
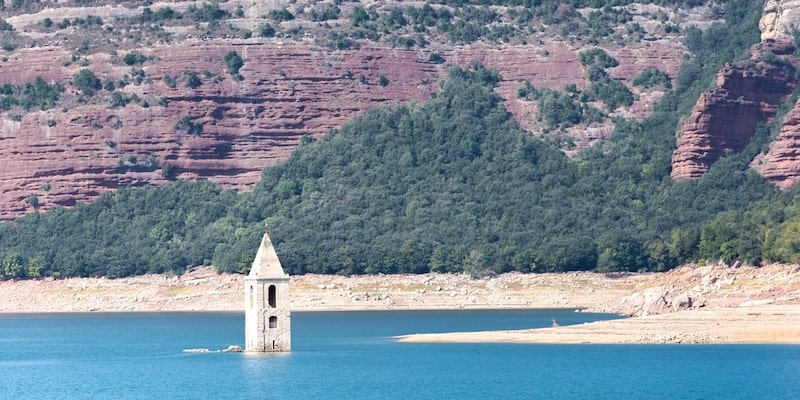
(233, 63)
(786, 245)
(13, 266)
(621, 252)
(86, 81)
(192, 80)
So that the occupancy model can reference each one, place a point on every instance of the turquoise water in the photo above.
(350, 355)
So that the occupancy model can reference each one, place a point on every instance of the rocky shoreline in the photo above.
(693, 304)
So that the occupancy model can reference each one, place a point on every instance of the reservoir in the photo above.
(351, 355)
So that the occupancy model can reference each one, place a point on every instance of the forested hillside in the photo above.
(449, 184)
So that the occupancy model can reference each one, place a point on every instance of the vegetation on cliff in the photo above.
(341, 25)
(449, 185)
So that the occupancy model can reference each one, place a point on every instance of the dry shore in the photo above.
(693, 304)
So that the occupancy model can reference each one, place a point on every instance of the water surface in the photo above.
(349, 355)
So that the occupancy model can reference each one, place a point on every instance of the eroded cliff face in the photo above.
(228, 129)
(289, 90)
(724, 119)
(749, 92)
(781, 164)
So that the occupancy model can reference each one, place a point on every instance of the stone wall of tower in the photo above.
(260, 334)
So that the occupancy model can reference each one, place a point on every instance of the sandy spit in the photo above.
(754, 325)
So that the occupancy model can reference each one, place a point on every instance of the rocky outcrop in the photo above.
(779, 18)
(724, 119)
(74, 153)
(658, 300)
(781, 164)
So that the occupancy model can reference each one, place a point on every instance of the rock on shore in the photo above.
(201, 289)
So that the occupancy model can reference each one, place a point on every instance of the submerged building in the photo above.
(267, 316)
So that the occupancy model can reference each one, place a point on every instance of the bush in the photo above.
(382, 80)
(192, 80)
(232, 62)
(557, 110)
(341, 42)
(40, 94)
(86, 82)
(170, 81)
(207, 13)
(188, 126)
(436, 58)
(612, 93)
(135, 58)
(5, 26)
(119, 99)
(266, 30)
(328, 12)
(598, 57)
(652, 77)
(280, 15)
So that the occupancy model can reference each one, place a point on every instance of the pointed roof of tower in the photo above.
(266, 264)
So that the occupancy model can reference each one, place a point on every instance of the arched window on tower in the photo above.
(273, 322)
(271, 296)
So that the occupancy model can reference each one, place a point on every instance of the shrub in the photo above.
(382, 80)
(526, 90)
(33, 200)
(207, 13)
(5, 26)
(266, 30)
(557, 109)
(232, 62)
(86, 82)
(652, 77)
(170, 81)
(188, 126)
(192, 80)
(341, 42)
(436, 58)
(39, 93)
(135, 58)
(612, 93)
(280, 15)
(327, 12)
(597, 57)
(119, 99)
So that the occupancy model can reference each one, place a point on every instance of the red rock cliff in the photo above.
(724, 119)
(781, 164)
(70, 154)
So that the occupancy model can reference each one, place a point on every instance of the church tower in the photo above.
(266, 291)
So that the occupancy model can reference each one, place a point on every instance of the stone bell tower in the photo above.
(266, 291)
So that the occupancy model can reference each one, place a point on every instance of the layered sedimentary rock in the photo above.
(781, 164)
(58, 157)
(724, 119)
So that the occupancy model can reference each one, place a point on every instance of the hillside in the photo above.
(456, 181)
(161, 104)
